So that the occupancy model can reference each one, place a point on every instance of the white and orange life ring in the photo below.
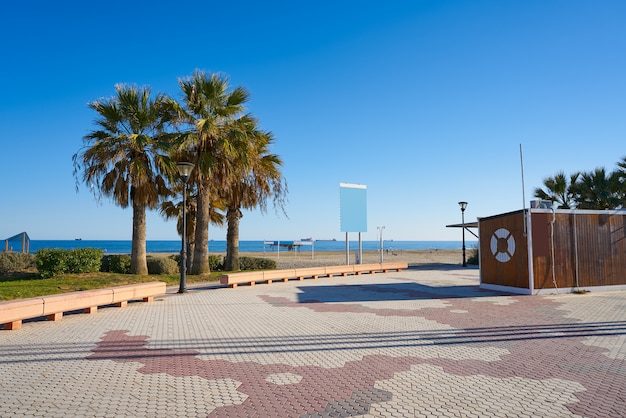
(502, 245)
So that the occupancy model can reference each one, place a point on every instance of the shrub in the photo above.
(473, 257)
(162, 265)
(216, 263)
(51, 262)
(255, 263)
(116, 263)
(16, 262)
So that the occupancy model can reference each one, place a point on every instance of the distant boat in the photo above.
(78, 239)
(326, 239)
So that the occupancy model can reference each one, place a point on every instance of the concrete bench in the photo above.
(252, 277)
(13, 312)
(379, 267)
(310, 272)
(282, 275)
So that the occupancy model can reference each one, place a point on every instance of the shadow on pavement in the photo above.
(389, 292)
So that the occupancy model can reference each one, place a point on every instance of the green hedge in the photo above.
(255, 263)
(16, 262)
(116, 263)
(51, 262)
(162, 265)
(216, 263)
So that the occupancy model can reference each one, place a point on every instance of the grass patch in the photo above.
(29, 285)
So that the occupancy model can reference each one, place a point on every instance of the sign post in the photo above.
(353, 213)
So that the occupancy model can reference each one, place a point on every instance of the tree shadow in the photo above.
(129, 348)
(19, 276)
(441, 266)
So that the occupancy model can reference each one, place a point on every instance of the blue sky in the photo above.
(424, 102)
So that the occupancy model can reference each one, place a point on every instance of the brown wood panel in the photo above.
(565, 250)
(617, 234)
(585, 249)
(504, 250)
(542, 249)
(540, 225)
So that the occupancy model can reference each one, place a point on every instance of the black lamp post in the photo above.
(380, 246)
(463, 205)
(184, 169)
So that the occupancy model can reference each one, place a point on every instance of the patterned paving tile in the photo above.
(414, 344)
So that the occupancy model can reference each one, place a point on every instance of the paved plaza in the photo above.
(417, 343)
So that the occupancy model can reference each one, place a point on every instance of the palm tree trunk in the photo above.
(231, 262)
(191, 237)
(138, 260)
(201, 251)
(190, 250)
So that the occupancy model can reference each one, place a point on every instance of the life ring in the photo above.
(502, 245)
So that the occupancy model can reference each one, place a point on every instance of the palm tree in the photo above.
(126, 158)
(210, 109)
(254, 179)
(558, 190)
(598, 190)
(620, 174)
(174, 210)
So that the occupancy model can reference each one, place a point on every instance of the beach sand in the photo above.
(288, 260)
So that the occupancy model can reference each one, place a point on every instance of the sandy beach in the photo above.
(285, 259)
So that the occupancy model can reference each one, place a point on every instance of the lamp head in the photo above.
(184, 169)
(463, 205)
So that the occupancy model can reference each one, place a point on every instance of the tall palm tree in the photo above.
(597, 190)
(254, 179)
(210, 109)
(126, 157)
(558, 189)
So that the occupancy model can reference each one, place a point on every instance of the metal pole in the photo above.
(380, 246)
(183, 251)
(463, 226)
(521, 160)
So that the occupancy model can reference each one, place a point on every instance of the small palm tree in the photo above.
(598, 190)
(558, 189)
(127, 159)
(174, 210)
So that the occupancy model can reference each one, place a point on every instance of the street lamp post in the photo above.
(184, 169)
(380, 246)
(463, 205)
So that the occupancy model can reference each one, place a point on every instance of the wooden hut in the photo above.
(540, 250)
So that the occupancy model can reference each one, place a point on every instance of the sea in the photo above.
(215, 246)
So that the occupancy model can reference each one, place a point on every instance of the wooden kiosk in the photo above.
(541, 250)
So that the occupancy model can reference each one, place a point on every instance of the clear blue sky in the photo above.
(425, 102)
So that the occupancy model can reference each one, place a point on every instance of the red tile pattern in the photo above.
(542, 343)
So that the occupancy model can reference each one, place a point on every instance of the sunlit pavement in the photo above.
(414, 343)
